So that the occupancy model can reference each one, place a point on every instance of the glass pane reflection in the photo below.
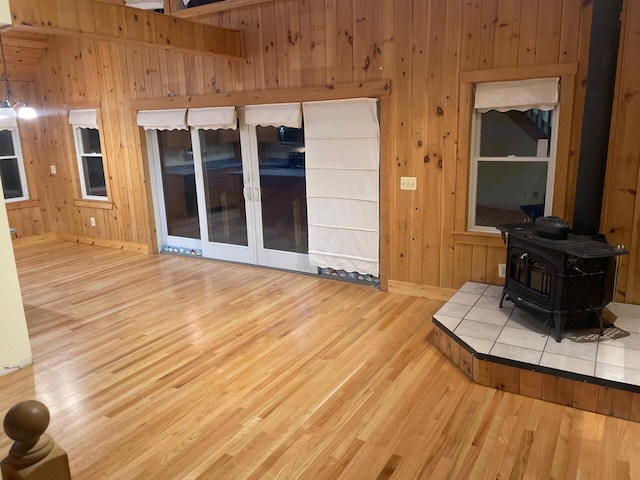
(179, 183)
(223, 184)
(510, 192)
(283, 188)
(523, 134)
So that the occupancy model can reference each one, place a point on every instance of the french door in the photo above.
(235, 195)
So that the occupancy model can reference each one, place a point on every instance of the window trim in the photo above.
(565, 163)
(475, 159)
(80, 154)
(17, 150)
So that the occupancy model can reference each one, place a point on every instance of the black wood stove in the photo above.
(556, 275)
(551, 272)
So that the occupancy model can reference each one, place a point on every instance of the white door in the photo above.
(235, 195)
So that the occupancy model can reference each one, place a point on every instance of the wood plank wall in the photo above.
(420, 45)
(621, 207)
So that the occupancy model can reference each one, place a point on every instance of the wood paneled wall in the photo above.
(422, 46)
(621, 208)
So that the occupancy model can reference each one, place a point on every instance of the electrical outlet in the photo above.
(408, 183)
(92, 221)
(502, 270)
(53, 169)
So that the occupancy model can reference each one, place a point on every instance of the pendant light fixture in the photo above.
(10, 107)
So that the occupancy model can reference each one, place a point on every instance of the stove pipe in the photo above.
(594, 143)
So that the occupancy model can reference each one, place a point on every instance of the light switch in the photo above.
(53, 169)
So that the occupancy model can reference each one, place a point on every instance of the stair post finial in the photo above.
(34, 455)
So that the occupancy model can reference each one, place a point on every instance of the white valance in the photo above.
(342, 144)
(276, 115)
(172, 119)
(212, 118)
(85, 118)
(8, 123)
(522, 95)
(145, 4)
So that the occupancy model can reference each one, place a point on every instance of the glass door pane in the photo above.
(179, 183)
(283, 189)
(223, 186)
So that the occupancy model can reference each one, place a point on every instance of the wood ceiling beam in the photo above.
(117, 23)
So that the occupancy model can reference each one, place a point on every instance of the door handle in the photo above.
(246, 191)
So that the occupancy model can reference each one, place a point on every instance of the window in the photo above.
(512, 152)
(12, 174)
(89, 153)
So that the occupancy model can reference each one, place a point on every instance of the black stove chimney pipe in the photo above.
(594, 143)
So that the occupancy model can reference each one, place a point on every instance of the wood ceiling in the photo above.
(23, 51)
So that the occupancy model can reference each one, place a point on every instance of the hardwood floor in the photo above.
(164, 367)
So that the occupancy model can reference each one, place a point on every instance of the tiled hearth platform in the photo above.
(507, 349)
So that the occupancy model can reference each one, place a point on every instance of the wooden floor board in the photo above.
(166, 367)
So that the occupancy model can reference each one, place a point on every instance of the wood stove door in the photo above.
(531, 276)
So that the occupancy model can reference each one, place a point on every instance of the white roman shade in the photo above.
(342, 142)
(172, 119)
(522, 95)
(85, 118)
(8, 123)
(212, 118)
(276, 115)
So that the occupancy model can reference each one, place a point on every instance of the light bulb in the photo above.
(27, 113)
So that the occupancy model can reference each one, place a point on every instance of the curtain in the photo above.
(212, 118)
(172, 119)
(342, 143)
(86, 118)
(522, 95)
(276, 115)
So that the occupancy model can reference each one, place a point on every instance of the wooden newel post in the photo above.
(34, 455)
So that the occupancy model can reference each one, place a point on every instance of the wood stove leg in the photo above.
(504, 295)
(601, 323)
(558, 324)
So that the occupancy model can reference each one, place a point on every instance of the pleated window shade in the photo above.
(145, 4)
(8, 123)
(274, 115)
(342, 143)
(214, 118)
(522, 95)
(84, 118)
(171, 119)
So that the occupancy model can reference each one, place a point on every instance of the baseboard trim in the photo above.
(440, 294)
(31, 239)
(104, 242)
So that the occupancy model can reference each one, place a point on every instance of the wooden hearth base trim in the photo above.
(607, 400)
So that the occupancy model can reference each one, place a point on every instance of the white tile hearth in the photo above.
(618, 374)
(484, 331)
(585, 351)
(525, 355)
(488, 315)
(523, 338)
(568, 364)
(479, 345)
(465, 298)
(493, 291)
(473, 287)
(474, 316)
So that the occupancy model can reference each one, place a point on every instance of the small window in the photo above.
(12, 174)
(89, 154)
(512, 162)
